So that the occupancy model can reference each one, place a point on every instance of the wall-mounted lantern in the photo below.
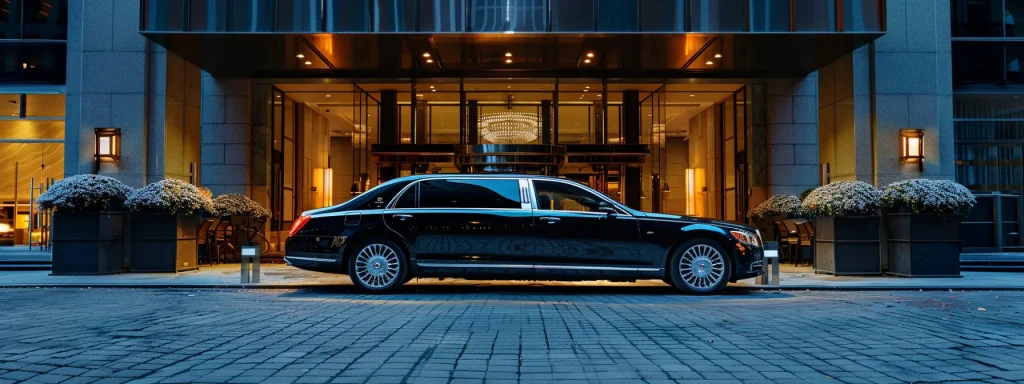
(108, 146)
(912, 147)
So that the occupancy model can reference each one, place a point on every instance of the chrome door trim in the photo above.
(394, 200)
(534, 266)
(286, 258)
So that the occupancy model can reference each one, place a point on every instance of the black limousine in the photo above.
(515, 227)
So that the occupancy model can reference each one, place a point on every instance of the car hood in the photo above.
(690, 219)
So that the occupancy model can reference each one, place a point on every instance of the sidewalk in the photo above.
(277, 276)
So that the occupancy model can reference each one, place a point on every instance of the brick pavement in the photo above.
(505, 335)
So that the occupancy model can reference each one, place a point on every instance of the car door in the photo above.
(465, 223)
(576, 226)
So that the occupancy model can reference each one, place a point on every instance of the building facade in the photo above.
(700, 107)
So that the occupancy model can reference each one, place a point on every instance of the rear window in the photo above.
(464, 193)
(375, 198)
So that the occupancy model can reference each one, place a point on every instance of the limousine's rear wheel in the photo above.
(379, 266)
(700, 266)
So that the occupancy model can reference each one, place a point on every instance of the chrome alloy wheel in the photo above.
(377, 266)
(702, 267)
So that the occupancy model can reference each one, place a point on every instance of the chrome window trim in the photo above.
(394, 200)
(601, 196)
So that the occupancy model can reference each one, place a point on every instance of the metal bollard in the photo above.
(770, 264)
(252, 254)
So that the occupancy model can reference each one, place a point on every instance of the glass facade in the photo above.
(988, 122)
(512, 16)
(33, 36)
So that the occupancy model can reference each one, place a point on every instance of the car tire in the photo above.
(700, 266)
(378, 266)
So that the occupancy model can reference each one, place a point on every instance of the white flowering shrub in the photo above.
(206, 192)
(168, 196)
(843, 198)
(928, 196)
(787, 205)
(84, 193)
(239, 205)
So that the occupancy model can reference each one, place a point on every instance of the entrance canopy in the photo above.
(741, 55)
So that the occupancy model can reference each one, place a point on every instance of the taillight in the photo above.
(297, 225)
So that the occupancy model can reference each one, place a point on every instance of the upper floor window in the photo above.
(466, 193)
(34, 19)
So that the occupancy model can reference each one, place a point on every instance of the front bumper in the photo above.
(751, 263)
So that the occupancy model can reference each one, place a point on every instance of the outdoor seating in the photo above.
(788, 240)
(204, 240)
(222, 244)
(805, 245)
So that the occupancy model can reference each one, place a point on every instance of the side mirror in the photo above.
(609, 210)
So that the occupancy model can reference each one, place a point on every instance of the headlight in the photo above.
(745, 237)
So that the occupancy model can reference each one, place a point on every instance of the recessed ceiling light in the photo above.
(590, 54)
(426, 54)
(433, 90)
(430, 61)
(598, 95)
(587, 61)
(508, 54)
(508, 61)
(710, 62)
(278, 96)
(328, 95)
(431, 87)
(586, 90)
(587, 87)
(510, 87)
(301, 56)
(419, 95)
(718, 55)
(693, 95)
(308, 62)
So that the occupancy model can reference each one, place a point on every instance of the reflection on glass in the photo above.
(44, 105)
(815, 16)
(10, 20)
(572, 16)
(718, 15)
(165, 15)
(979, 18)
(302, 15)
(862, 15)
(347, 16)
(508, 15)
(46, 19)
(394, 16)
(617, 15)
(442, 16)
(978, 62)
(663, 16)
(495, 194)
(207, 15)
(252, 16)
(769, 16)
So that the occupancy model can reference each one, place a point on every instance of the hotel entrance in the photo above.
(654, 145)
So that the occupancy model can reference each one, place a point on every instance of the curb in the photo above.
(330, 287)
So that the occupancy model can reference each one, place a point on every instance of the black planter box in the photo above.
(88, 243)
(847, 246)
(163, 242)
(923, 245)
(767, 226)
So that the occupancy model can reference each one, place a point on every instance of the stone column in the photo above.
(793, 134)
(913, 88)
(227, 149)
(844, 113)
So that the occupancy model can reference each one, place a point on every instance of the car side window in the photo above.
(555, 196)
(408, 199)
(465, 193)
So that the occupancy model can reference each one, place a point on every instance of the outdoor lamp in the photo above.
(108, 146)
(912, 147)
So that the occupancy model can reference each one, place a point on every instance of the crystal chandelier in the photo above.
(509, 127)
(656, 134)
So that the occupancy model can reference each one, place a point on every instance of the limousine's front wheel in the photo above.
(379, 266)
(700, 266)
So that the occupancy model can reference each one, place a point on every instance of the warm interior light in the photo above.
(508, 61)
(718, 55)
(308, 62)
(710, 62)
(587, 61)
(431, 87)
(300, 56)
(692, 95)
(508, 54)
(429, 61)
(328, 95)
(104, 149)
(590, 54)
(426, 54)
(913, 146)
(694, 189)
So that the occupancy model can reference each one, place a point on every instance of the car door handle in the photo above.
(550, 220)
(402, 217)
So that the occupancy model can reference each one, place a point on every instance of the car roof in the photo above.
(479, 176)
